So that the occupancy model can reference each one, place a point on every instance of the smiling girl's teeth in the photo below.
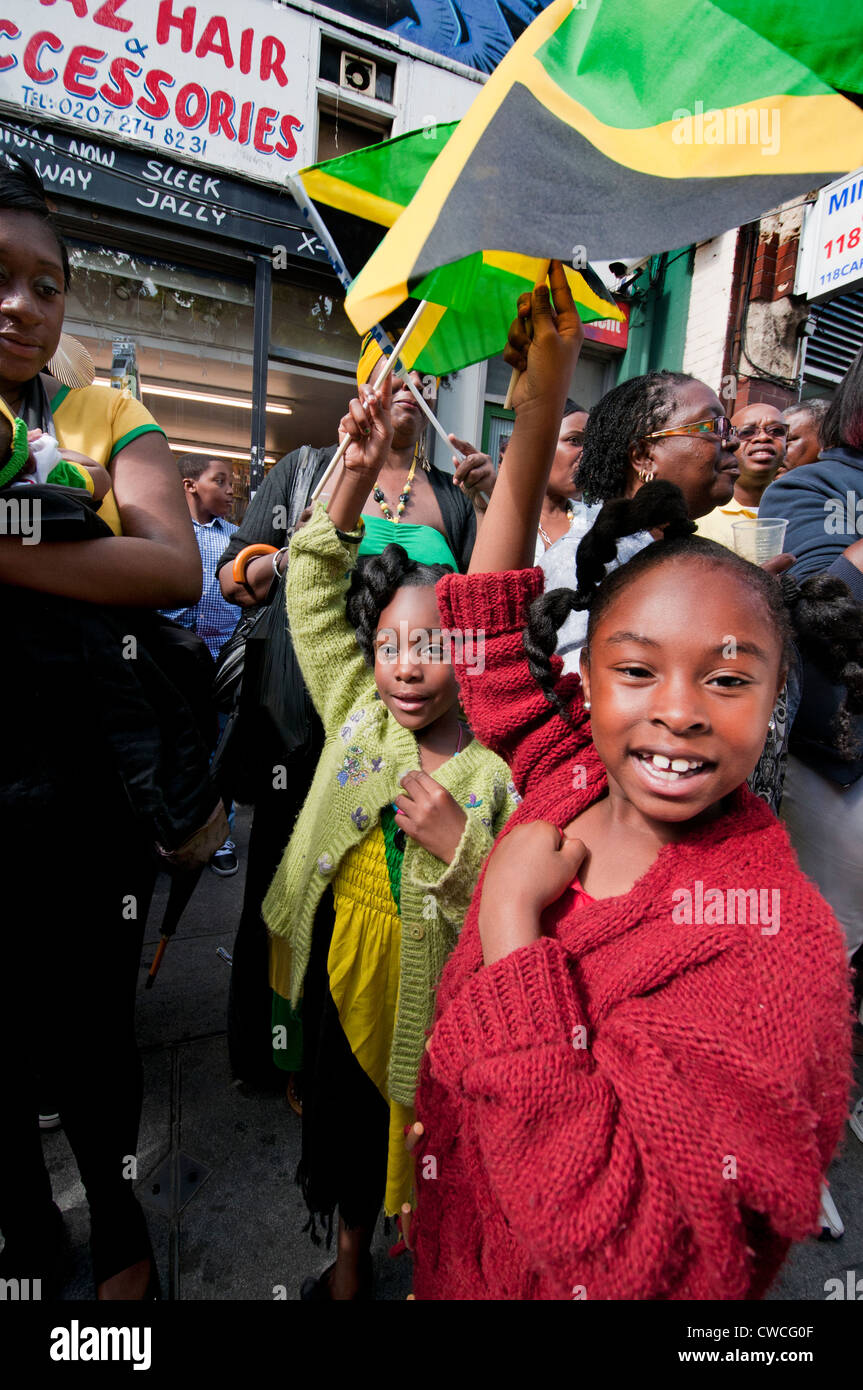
(670, 769)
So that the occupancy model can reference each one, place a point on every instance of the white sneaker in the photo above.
(855, 1119)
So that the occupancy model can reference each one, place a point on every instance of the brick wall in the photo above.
(772, 316)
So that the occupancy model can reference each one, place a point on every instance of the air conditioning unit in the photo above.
(357, 74)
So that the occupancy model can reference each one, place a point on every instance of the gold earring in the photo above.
(646, 476)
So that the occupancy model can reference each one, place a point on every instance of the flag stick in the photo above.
(510, 390)
(390, 364)
(310, 212)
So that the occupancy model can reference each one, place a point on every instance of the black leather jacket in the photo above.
(128, 682)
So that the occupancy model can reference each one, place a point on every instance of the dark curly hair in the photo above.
(22, 190)
(375, 582)
(819, 615)
(623, 416)
(843, 420)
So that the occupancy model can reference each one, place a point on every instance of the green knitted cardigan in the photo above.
(365, 753)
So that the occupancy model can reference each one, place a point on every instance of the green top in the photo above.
(365, 753)
(422, 543)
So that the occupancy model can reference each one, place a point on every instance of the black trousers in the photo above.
(345, 1117)
(250, 1035)
(75, 896)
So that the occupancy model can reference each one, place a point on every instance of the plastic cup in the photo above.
(759, 538)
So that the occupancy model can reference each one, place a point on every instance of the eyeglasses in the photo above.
(772, 431)
(719, 425)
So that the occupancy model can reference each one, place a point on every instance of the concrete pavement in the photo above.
(238, 1231)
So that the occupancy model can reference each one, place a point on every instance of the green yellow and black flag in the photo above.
(470, 301)
(621, 130)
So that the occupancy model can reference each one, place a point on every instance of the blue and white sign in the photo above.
(831, 260)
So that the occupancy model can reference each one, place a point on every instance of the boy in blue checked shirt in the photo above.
(209, 489)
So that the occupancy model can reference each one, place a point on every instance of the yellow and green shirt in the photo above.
(99, 422)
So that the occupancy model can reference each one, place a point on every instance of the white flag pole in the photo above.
(304, 203)
(390, 364)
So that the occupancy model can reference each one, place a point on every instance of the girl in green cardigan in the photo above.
(378, 875)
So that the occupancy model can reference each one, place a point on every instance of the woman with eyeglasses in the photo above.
(660, 425)
(762, 433)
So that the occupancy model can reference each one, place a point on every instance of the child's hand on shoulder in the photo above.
(430, 815)
(369, 426)
(528, 870)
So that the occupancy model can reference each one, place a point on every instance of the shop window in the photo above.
(496, 429)
(309, 321)
(341, 132)
(342, 65)
(192, 337)
(593, 376)
(155, 300)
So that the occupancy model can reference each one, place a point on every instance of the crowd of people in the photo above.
(553, 879)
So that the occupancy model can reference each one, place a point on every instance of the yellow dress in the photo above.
(363, 968)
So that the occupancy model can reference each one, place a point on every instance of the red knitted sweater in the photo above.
(630, 1108)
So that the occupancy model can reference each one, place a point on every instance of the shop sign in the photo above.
(612, 332)
(831, 244)
(221, 85)
(129, 180)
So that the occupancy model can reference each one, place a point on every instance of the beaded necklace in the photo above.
(378, 493)
(544, 534)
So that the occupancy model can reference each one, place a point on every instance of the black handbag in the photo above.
(232, 656)
(271, 718)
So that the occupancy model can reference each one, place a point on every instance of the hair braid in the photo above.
(625, 414)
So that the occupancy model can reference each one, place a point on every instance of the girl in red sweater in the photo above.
(640, 1065)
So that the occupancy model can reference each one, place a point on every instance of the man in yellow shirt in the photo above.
(763, 434)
